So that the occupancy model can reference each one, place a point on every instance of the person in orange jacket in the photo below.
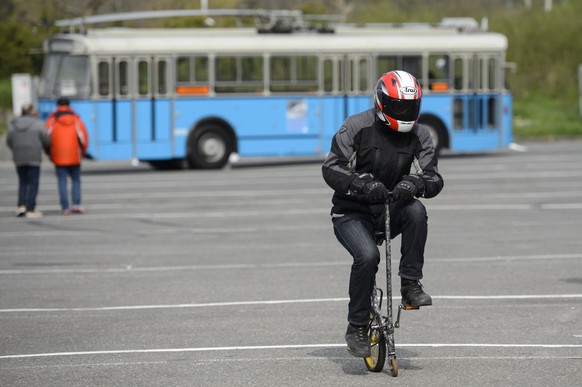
(69, 142)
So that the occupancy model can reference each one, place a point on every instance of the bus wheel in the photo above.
(437, 132)
(209, 147)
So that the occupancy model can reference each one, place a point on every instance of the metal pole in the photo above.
(548, 5)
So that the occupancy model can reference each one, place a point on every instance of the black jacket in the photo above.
(364, 145)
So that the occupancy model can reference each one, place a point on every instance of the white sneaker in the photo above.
(77, 210)
(34, 214)
(20, 211)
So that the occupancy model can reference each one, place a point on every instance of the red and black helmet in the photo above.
(397, 100)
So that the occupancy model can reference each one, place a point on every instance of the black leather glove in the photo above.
(365, 187)
(404, 190)
(375, 192)
(418, 182)
(409, 187)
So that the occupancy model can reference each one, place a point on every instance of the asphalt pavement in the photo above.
(234, 278)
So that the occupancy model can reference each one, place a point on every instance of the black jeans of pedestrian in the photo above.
(28, 178)
(355, 231)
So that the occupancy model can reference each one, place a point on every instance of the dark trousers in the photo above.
(355, 231)
(28, 178)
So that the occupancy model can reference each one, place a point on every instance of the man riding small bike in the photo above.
(372, 155)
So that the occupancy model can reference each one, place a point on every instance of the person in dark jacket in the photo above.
(372, 155)
(27, 139)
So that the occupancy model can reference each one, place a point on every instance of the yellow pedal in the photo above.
(410, 307)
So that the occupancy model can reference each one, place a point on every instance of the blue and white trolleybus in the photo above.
(204, 95)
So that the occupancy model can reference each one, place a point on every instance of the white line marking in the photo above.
(265, 347)
(503, 258)
(128, 269)
(514, 175)
(158, 231)
(562, 206)
(280, 302)
(510, 297)
(124, 364)
(253, 359)
(174, 306)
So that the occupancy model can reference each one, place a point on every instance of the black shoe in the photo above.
(358, 341)
(413, 295)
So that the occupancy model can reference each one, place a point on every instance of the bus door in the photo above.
(490, 103)
(152, 109)
(332, 106)
(112, 110)
(357, 83)
(476, 103)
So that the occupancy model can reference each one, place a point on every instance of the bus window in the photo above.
(293, 73)
(64, 75)
(349, 77)
(183, 70)
(385, 64)
(123, 78)
(103, 78)
(492, 73)
(252, 69)
(143, 78)
(458, 73)
(306, 67)
(481, 74)
(162, 77)
(201, 69)
(438, 73)
(235, 74)
(226, 69)
(328, 75)
(280, 68)
(471, 73)
(363, 78)
(413, 65)
(192, 75)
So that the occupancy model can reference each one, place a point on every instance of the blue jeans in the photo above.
(28, 178)
(355, 231)
(74, 172)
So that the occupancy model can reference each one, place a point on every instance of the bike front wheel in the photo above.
(393, 367)
(375, 362)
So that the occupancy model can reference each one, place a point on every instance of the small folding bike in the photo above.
(381, 328)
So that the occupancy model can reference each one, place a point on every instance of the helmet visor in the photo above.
(401, 109)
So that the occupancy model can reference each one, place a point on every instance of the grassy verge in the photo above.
(543, 117)
(5, 101)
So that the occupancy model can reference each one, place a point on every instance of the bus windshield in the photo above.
(65, 76)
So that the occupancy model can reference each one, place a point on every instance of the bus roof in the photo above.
(126, 41)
